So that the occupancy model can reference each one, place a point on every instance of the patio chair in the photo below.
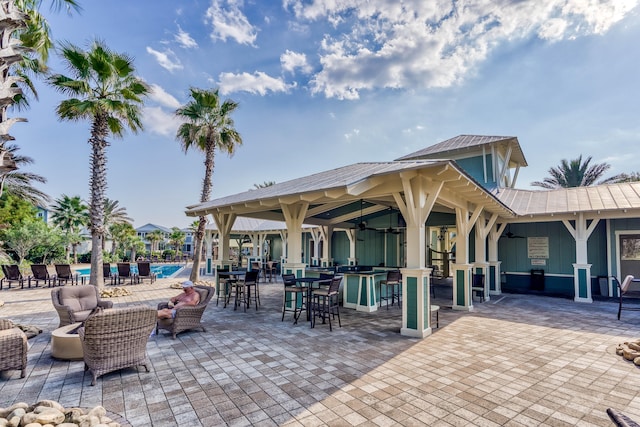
(392, 288)
(115, 339)
(13, 347)
(12, 274)
(325, 303)
(293, 297)
(107, 274)
(270, 269)
(626, 293)
(65, 274)
(620, 419)
(41, 272)
(477, 286)
(124, 272)
(187, 317)
(144, 272)
(258, 267)
(76, 304)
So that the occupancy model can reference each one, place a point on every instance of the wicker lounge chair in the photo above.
(41, 272)
(76, 304)
(186, 317)
(65, 274)
(144, 272)
(12, 274)
(13, 347)
(116, 339)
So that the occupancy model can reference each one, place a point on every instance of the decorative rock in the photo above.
(98, 411)
(18, 412)
(178, 285)
(6, 411)
(49, 413)
(1, 303)
(117, 291)
(50, 404)
(629, 354)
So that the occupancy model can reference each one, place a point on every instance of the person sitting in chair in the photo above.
(189, 297)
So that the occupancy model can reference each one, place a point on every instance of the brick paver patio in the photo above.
(516, 360)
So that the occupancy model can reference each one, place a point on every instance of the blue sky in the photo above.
(324, 83)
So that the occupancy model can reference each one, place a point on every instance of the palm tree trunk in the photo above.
(206, 193)
(197, 254)
(98, 182)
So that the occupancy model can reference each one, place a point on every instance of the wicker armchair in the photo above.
(13, 347)
(74, 304)
(116, 338)
(186, 317)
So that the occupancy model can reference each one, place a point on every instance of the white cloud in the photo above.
(158, 121)
(257, 83)
(353, 134)
(228, 21)
(159, 95)
(292, 60)
(426, 44)
(184, 39)
(166, 59)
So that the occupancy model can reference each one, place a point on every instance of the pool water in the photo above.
(162, 271)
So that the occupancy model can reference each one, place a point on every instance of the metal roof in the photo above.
(252, 225)
(461, 143)
(597, 198)
(375, 181)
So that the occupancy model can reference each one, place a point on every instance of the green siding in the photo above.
(412, 303)
(460, 290)
(582, 282)
(425, 308)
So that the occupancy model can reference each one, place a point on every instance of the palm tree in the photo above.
(208, 126)
(153, 238)
(177, 238)
(113, 214)
(120, 234)
(265, 184)
(20, 184)
(628, 177)
(70, 214)
(576, 173)
(21, 21)
(103, 89)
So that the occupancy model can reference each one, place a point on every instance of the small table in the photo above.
(66, 345)
(308, 283)
(229, 276)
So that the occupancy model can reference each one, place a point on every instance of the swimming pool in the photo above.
(162, 271)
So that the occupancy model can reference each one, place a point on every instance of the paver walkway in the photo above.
(516, 360)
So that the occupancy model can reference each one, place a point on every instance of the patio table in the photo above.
(308, 282)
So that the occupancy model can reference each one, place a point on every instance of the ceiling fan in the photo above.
(390, 229)
(361, 224)
(510, 235)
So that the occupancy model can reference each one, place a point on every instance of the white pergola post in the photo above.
(294, 215)
(465, 221)
(420, 194)
(481, 266)
(581, 268)
(495, 285)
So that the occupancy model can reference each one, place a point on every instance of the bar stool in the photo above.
(294, 296)
(393, 284)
